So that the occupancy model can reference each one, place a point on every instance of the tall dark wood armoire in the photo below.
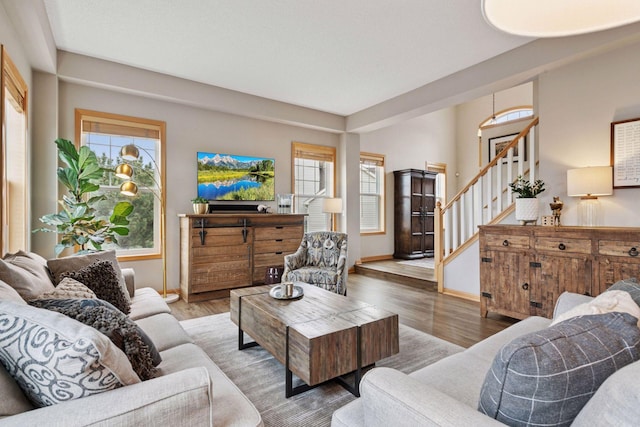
(414, 205)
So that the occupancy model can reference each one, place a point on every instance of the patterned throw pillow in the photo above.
(58, 266)
(55, 359)
(121, 330)
(69, 288)
(102, 279)
(546, 377)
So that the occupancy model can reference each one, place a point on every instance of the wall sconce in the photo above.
(129, 188)
(589, 183)
(332, 206)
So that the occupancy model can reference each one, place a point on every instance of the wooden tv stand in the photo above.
(220, 252)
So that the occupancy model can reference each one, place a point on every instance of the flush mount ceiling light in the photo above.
(558, 18)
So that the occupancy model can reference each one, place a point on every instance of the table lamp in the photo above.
(589, 183)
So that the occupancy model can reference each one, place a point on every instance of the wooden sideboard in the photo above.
(523, 269)
(220, 252)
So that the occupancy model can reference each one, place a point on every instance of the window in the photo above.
(372, 204)
(106, 134)
(313, 181)
(509, 115)
(14, 202)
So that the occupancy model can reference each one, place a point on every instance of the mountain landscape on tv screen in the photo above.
(230, 177)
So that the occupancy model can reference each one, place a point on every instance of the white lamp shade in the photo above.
(332, 205)
(557, 18)
(590, 181)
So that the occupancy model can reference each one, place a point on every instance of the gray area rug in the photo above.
(261, 377)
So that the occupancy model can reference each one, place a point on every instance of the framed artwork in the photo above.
(625, 153)
(499, 143)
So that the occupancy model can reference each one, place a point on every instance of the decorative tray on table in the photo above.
(277, 292)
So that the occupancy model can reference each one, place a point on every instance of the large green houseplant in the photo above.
(78, 223)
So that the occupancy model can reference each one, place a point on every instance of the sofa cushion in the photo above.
(102, 279)
(57, 266)
(616, 401)
(54, 358)
(546, 377)
(69, 288)
(7, 293)
(165, 331)
(13, 399)
(628, 285)
(121, 330)
(146, 303)
(27, 273)
(606, 302)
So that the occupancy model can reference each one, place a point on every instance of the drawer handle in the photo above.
(562, 247)
(505, 243)
(633, 252)
(278, 240)
(279, 227)
(278, 253)
(525, 286)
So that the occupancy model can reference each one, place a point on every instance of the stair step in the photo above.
(423, 278)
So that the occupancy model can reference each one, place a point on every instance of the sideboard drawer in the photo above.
(629, 249)
(279, 232)
(552, 244)
(498, 241)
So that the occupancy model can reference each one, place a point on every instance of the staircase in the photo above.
(486, 199)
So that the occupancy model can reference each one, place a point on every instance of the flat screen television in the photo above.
(231, 177)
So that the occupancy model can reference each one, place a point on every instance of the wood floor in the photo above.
(453, 319)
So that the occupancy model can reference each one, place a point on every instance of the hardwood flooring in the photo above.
(453, 319)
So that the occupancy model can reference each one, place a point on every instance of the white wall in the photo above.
(429, 138)
(189, 130)
(577, 104)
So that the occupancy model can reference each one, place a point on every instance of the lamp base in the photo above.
(171, 298)
(588, 211)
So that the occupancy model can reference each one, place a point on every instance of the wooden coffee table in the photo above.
(319, 337)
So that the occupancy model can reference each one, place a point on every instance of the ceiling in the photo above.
(335, 56)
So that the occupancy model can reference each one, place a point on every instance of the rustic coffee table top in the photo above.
(320, 336)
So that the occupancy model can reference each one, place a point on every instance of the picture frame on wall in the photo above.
(625, 152)
(499, 143)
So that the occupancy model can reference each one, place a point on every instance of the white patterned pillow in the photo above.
(69, 288)
(55, 359)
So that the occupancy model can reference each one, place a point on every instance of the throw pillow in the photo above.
(58, 266)
(121, 330)
(7, 293)
(102, 279)
(546, 377)
(54, 358)
(69, 288)
(628, 285)
(606, 302)
(27, 273)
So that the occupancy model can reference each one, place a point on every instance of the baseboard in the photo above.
(375, 258)
(460, 294)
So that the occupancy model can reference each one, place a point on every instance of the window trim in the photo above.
(11, 79)
(380, 159)
(142, 124)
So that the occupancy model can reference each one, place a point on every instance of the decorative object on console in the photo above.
(332, 206)
(200, 205)
(526, 201)
(285, 203)
(556, 208)
(552, 18)
(589, 183)
(130, 188)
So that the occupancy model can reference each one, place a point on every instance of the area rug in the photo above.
(261, 377)
(422, 262)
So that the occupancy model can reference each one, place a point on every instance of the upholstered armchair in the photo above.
(320, 260)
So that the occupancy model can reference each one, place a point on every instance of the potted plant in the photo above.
(200, 205)
(78, 223)
(526, 200)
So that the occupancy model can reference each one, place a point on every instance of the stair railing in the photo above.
(486, 198)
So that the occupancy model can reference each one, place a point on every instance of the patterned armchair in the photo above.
(320, 260)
